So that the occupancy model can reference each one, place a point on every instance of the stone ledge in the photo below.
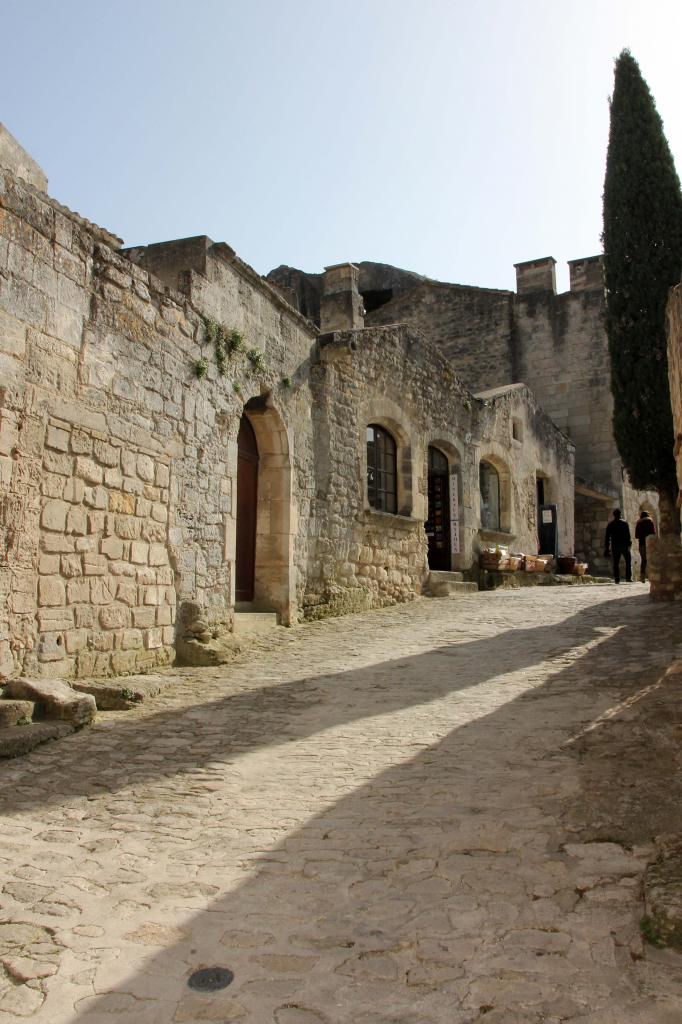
(122, 694)
(20, 739)
(55, 699)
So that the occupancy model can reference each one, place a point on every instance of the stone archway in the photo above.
(275, 519)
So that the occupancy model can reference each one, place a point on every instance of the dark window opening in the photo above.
(382, 470)
(375, 298)
(541, 491)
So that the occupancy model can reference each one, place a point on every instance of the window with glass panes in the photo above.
(489, 480)
(382, 475)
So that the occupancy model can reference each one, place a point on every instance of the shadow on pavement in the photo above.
(424, 895)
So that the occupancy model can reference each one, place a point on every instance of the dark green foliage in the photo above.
(643, 258)
(201, 368)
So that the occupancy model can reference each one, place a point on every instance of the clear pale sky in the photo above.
(450, 138)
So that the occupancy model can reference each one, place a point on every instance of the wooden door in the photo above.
(438, 523)
(247, 502)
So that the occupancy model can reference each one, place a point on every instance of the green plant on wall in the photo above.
(235, 341)
(285, 383)
(257, 360)
(226, 341)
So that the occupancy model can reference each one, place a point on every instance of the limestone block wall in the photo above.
(665, 553)
(562, 354)
(518, 437)
(675, 369)
(117, 464)
(471, 326)
(393, 378)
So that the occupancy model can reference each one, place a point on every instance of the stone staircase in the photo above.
(33, 711)
(449, 584)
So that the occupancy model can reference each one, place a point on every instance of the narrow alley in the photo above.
(438, 813)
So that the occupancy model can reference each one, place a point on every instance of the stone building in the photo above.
(665, 552)
(178, 441)
(554, 343)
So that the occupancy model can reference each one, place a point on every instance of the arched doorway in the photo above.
(438, 522)
(247, 511)
(264, 515)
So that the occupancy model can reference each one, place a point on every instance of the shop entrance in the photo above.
(438, 522)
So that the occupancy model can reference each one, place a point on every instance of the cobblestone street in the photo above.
(382, 818)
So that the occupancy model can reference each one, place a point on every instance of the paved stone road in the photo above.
(366, 821)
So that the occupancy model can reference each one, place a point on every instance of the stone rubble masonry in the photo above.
(15, 158)
(118, 465)
(554, 343)
(368, 558)
(665, 553)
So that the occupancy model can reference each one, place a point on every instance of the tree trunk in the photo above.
(668, 514)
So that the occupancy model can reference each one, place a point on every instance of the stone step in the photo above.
(449, 584)
(20, 739)
(15, 712)
(440, 576)
(254, 622)
(54, 699)
(124, 693)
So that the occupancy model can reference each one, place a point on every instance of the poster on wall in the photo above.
(454, 513)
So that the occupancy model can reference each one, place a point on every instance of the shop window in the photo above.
(489, 483)
(382, 470)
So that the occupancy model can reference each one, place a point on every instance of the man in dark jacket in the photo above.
(644, 527)
(619, 542)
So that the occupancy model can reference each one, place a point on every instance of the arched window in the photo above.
(489, 483)
(382, 470)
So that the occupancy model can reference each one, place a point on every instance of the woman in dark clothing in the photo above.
(619, 542)
(644, 527)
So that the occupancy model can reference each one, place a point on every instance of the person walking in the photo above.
(644, 527)
(618, 543)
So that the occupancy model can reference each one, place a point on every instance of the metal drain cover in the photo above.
(210, 979)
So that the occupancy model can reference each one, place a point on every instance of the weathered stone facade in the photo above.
(120, 407)
(665, 553)
(555, 343)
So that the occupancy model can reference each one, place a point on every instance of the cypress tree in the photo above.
(642, 260)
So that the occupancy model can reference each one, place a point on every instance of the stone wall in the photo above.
(665, 553)
(561, 353)
(116, 462)
(392, 377)
(14, 157)
(675, 370)
(118, 448)
(471, 326)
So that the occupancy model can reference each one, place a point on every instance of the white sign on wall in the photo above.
(454, 513)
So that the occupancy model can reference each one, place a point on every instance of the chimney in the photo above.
(587, 275)
(341, 306)
(536, 276)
